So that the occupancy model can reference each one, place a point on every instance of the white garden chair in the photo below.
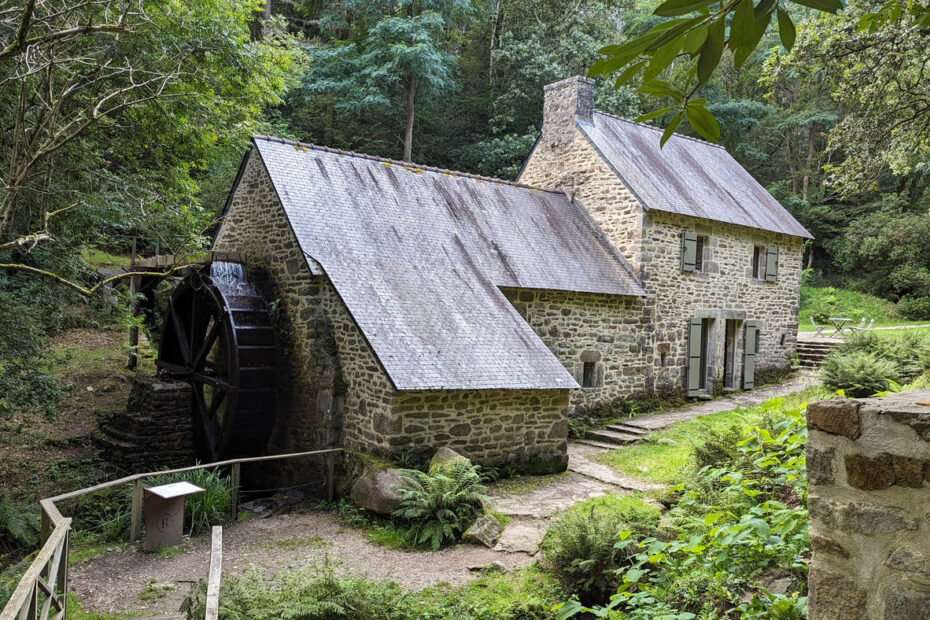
(819, 328)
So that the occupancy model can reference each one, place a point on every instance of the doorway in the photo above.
(729, 354)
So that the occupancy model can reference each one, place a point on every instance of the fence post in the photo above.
(330, 476)
(46, 529)
(234, 492)
(215, 574)
(63, 573)
(135, 523)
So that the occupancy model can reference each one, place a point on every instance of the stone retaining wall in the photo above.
(868, 464)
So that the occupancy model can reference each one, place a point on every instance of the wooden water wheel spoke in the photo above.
(230, 401)
(208, 343)
(180, 334)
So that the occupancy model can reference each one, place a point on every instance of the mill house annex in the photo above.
(428, 308)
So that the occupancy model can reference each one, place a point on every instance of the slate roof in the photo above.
(418, 255)
(686, 176)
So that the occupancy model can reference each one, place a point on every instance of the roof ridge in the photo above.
(398, 162)
(654, 128)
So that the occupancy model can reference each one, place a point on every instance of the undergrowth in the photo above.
(738, 517)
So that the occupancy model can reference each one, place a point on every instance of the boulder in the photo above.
(485, 530)
(377, 490)
(443, 458)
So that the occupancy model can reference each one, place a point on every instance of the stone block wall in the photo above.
(156, 429)
(868, 464)
(525, 429)
(605, 329)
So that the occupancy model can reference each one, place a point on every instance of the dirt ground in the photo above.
(113, 583)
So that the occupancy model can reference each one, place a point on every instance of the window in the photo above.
(758, 262)
(699, 253)
(588, 375)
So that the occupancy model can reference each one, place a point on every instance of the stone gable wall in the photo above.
(868, 470)
(583, 327)
(337, 387)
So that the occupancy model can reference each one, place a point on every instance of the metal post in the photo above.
(234, 492)
(330, 476)
(135, 527)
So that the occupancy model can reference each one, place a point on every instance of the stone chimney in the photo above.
(566, 101)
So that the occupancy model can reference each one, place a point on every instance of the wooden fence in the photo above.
(42, 591)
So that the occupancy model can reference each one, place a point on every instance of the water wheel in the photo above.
(218, 337)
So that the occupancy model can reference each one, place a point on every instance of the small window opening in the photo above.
(588, 374)
(758, 262)
(699, 253)
(782, 341)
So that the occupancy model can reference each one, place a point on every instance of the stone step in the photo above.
(597, 444)
(629, 429)
(613, 437)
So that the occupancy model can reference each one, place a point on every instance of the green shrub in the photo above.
(732, 524)
(718, 447)
(580, 547)
(915, 308)
(19, 525)
(304, 594)
(858, 374)
(439, 507)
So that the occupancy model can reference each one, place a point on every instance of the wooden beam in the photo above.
(234, 491)
(135, 519)
(215, 574)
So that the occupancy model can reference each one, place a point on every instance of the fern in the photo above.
(19, 526)
(441, 506)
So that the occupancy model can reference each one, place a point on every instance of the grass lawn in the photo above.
(665, 457)
(829, 301)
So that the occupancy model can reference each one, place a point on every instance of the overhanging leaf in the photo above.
(827, 6)
(786, 30)
(672, 126)
(628, 73)
(743, 28)
(711, 51)
(662, 58)
(673, 8)
(694, 39)
(655, 114)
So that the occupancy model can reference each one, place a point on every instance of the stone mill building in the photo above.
(422, 307)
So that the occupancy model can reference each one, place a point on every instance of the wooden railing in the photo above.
(44, 586)
(215, 575)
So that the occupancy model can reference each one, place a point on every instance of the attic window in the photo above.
(588, 374)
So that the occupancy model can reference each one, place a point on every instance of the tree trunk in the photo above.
(791, 168)
(806, 181)
(408, 134)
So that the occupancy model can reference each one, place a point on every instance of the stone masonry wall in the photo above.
(525, 429)
(868, 468)
(651, 241)
(583, 327)
(337, 389)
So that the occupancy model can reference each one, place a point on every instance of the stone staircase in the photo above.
(811, 353)
(619, 434)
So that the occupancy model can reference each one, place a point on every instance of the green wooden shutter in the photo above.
(751, 345)
(771, 264)
(694, 357)
(688, 251)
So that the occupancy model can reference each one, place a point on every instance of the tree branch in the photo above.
(85, 291)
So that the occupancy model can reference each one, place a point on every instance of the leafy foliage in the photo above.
(866, 363)
(439, 507)
(579, 547)
(915, 308)
(733, 522)
(19, 525)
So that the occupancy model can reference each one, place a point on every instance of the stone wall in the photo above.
(525, 429)
(868, 464)
(336, 386)
(650, 240)
(584, 327)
